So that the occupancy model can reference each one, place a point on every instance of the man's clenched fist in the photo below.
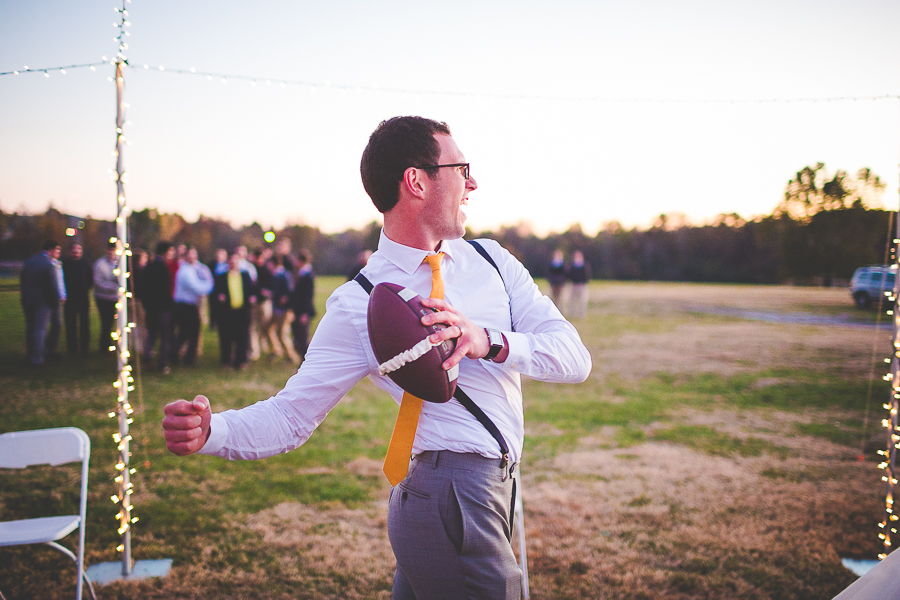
(186, 425)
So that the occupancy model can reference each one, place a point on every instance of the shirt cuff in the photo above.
(519, 351)
(218, 431)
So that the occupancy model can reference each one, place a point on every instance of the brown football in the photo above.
(395, 325)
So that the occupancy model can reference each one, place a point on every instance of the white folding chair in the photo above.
(21, 449)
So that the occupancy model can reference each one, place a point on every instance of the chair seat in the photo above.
(37, 531)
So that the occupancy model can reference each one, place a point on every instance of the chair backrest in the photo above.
(20, 449)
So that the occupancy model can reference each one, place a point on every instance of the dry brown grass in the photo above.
(334, 539)
(661, 520)
(726, 345)
(664, 521)
(771, 298)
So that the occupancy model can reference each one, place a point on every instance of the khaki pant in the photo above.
(578, 301)
(558, 295)
(260, 316)
(279, 334)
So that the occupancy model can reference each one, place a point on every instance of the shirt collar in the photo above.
(407, 258)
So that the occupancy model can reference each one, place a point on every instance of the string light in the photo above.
(313, 86)
(45, 70)
(890, 423)
(124, 517)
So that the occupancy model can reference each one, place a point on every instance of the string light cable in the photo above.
(314, 86)
(255, 81)
(61, 70)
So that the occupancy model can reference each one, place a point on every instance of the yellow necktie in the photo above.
(396, 462)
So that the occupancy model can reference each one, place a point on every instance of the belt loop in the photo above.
(434, 459)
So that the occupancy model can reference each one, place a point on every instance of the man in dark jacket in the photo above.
(79, 277)
(579, 275)
(556, 277)
(156, 292)
(236, 294)
(302, 302)
(39, 294)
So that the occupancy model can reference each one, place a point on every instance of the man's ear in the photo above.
(414, 182)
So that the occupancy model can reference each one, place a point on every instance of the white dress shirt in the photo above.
(60, 280)
(543, 346)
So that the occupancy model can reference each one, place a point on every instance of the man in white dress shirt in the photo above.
(450, 518)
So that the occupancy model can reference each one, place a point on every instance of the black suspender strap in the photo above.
(484, 253)
(460, 395)
(485, 420)
(480, 249)
(364, 282)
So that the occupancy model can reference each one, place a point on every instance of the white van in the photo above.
(869, 284)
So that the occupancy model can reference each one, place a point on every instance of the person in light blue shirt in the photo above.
(193, 281)
(52, 343)
(106, 294)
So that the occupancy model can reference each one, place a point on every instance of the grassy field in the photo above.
(707, 456)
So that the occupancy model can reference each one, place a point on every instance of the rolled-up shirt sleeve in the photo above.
(337, 359)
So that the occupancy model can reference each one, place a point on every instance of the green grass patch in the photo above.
(639, 501)
(708, 440)
(847, 434)
(584, 409)
(801, 475)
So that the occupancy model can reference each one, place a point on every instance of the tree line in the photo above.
(826, 225)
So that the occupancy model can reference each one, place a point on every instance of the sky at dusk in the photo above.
(569, 112)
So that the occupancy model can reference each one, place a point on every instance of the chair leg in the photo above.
(90, 586)
(71, 555)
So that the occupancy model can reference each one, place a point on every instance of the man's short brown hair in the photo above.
(394, 146)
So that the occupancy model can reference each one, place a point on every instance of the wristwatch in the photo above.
(496, 340)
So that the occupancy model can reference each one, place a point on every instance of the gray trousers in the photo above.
(450, 524)
(37, 321)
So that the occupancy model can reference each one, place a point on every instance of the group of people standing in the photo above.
(52, 290)
(259, 304)
(568, 281)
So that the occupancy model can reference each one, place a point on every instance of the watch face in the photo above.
(495, 337)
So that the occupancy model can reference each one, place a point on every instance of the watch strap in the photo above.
(495, 347)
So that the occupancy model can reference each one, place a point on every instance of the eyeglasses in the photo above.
(463, 166)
